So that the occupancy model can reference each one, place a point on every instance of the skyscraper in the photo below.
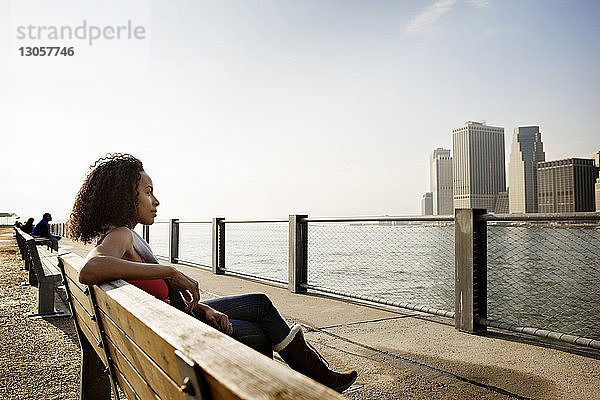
(440, 181)
(478, 165)
(427, 204)
(526, 151)
(566, 185)
(597, 191)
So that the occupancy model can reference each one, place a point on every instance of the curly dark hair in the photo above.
(107, 197)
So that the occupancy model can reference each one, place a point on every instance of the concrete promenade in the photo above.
(404, 355)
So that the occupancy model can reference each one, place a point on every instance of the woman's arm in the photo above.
(105, 263)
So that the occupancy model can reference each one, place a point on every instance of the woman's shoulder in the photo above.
(121, 230)
(121, 234)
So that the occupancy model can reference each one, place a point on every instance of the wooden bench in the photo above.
(154, 351)
(44, 273)
(38, 240)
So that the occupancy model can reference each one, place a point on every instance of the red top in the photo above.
(156, 287)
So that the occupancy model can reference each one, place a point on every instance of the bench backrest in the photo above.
(155, 351)
(30, 256)
(20, 241)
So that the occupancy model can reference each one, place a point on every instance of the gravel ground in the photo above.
(38, 358)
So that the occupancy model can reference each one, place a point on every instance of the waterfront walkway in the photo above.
(404, 355)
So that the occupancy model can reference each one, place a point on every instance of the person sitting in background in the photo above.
(18, 224)
(28, 227)
(42, 229)
(116, 196)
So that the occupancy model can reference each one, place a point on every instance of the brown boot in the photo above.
(303, 358)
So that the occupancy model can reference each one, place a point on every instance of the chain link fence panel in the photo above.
(402, 263)
(195, 243)
(258, 250)
(545, 276)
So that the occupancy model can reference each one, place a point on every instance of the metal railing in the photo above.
(195, 238)
(257, 249)
(401, 261)
(544, 274)
(8, 221)
(59, 229)
(536, 273)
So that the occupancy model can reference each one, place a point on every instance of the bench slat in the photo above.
(34, 260)
(129, 352)
(125, 386)
(88, 328)
(141, 387)
(50, 267)
(72, 263)
(81, 303)
(80, 296)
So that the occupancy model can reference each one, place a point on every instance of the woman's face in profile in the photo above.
(147, 202)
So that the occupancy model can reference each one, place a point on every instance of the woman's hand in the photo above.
(217, 319)
(188, 288)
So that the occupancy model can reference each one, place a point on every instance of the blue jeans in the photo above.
(255, 320)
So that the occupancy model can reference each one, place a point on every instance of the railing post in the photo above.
(218, 246)
(298, 252)
(146, 233)
(174, 240)
(470, 270)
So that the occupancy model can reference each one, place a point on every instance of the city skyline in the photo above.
(262, 109)
(527, 153)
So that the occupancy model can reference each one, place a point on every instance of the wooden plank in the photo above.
(34, 260)
(137, 383)
(44, 252)
(80, 296)
(140, 362)
(125, 386)
(72, 264)
(50, 266)
(232, 370)
(85, 322)
(91, 338)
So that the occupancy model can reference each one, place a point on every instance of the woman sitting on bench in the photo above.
(118, 194)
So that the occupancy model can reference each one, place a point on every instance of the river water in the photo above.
(538, 275)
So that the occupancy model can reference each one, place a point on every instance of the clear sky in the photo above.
(259, 109)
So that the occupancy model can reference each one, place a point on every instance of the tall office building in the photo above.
(427, 204)
(597, 164)
(478, 165)
(440, 181)
(502, 203)
(566, 185)
(526, 151)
